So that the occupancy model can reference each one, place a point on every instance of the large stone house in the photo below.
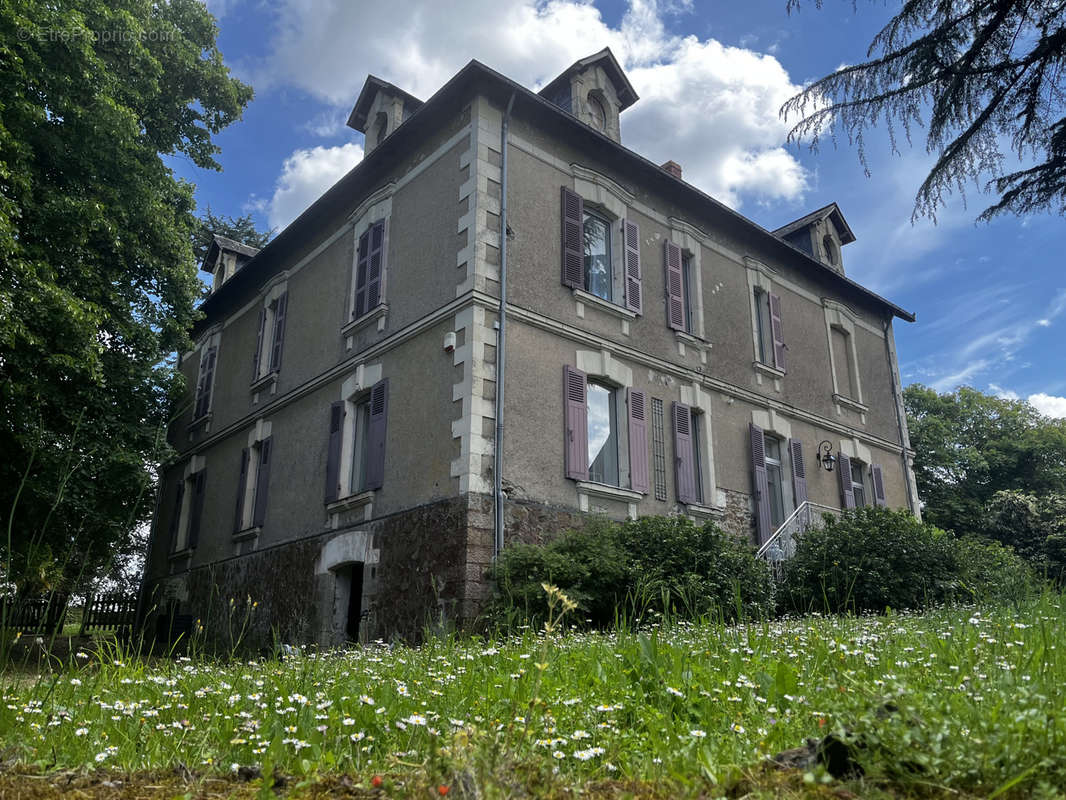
(659, 354)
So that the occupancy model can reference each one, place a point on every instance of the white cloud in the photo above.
(1003, 394)
(960, 377)
(1048, 404)
(711, 108)
(305, 175)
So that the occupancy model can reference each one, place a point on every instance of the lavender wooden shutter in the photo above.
(262, 483)
(631, 235)
(847, 493)
(799, 472)
(259, 343)
(675, 287)
(375, 265)
(333, 452)
(203, 388)
(279, 332)
(375, 441)
(684, 468)
(879, 484)
(359, 306)
(573, 213)
(775, 330)
(638, 441)
(196, 511)
(242, 483)
(575, 401)
(763, 521)
(175, 521)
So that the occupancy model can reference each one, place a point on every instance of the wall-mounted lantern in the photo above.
(825, 456)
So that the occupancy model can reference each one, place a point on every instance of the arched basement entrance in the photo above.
(346, 578)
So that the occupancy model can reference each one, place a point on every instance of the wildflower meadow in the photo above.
(958, 701)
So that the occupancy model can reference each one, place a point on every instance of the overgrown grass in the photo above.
(958, 700)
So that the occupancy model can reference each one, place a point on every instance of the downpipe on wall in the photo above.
(897, 401)
(501, 342)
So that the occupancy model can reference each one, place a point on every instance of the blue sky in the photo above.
(990, 297)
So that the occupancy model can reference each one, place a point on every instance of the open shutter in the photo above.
(799, 472)
(763, 522)
(573, 212)
(375, 265)
(775, 331)
(359, 306)
(196, 511)
(631, 235)
(847, 494)
(879, 484)
(575, 401)
(684, 466)
(175, 520)
(259, 343)
(638, 441)
(279, 332)
(262, 482)
(203, 387)
(675, 287)
(333, 452)
(375, 440)
(242, 484)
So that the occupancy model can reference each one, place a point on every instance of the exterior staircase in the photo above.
(781, 545)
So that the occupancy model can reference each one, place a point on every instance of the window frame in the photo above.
(596, 215)
(764, 352)
(263, 366)
(858, 488)
(614, 431)
(376, 208)
(775, 466)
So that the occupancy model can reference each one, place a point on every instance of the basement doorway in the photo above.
(350, 596)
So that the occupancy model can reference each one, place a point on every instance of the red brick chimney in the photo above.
(673, 168)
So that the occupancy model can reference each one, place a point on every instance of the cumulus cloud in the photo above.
(305, 175)
(1048, 404)
(711, 108)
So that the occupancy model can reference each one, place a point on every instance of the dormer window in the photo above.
(381, 128)
(597, 113)
(830, 248)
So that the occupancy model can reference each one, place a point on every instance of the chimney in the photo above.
(673, 168)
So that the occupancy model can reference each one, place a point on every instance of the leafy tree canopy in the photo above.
(98, 280)
(969, 446)
(975, 73)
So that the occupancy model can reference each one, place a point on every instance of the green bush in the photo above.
(624, 571)
(870, 559)
(988, 572)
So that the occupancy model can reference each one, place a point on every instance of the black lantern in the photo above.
(825, 455)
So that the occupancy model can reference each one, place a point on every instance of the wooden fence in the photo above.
(34, 614)
(108, 612)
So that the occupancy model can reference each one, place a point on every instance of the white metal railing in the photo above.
(781, 546)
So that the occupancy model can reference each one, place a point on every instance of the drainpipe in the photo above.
(897, 397)
(501, 339)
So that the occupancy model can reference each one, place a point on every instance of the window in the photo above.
(271, 335)
(205, 382)
(355, 460)
(188, 508)
(767, 333)
(658, 447)
(686, 289)
(370, 263)
(381, 130)
(688, 454)
(830, 249)
(858, 488)
(763, 326)
(602, 434)
(697, 456)
(360, 434)
(596, 234)
(253, 485)
(597, 113)
(774, 482)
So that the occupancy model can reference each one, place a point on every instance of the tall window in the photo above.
(602, 434)
(830, 249)
(361, 434)
(774, 478)
(598, 113)
(858, 488)
(687, 287)
(697, 455)
(763, 327)
(597, 244)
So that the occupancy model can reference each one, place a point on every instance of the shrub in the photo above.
(988, 572)
(870, 559)
(622, 571)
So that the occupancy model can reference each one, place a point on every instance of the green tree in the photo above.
(97, 280)
(975, 73)
(240, 229)
(970, 445)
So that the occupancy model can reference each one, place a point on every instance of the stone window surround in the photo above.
(612, 202)
(762, 277)
(212, 337)
(358, 383)
(260, 431)
(777, 425)
(194, 465)
(600, 366)
(376, 207)
(857, 451)
(697, 398)
(838, 315)
(690, 239)
(263, 378)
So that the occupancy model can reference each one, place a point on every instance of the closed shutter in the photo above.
(763, 521)
(375, 270)
(573, 213)
(333, 452)
(375, 440)
(675, 287)
(684, 468)
(175, 521)
(799, 472)
(638, 441)
(279, 332)
(575, 402)
(262, 483)
(631, 235)
(203, 388)
(196, 511)
(847, 493)
(242, 484)
(361, 258)
(775, 330)
(879, 484)
(259, 343)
